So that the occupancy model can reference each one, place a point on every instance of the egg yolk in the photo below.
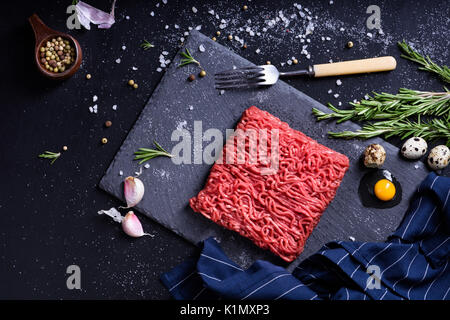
(384, 190)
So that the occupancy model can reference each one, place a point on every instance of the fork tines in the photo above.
(239, 78)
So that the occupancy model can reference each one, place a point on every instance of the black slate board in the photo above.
(169, 187)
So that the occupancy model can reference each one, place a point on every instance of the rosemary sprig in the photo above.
(50, 155)
(426, 62)
(146, 45)
(145, 154)
(384, 106)
(187, 58)
(432, 129)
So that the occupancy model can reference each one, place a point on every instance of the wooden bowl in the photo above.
(42, 34)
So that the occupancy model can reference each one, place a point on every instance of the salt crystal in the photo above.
(328, 38)
(322, 38)
(127, 17)
(338, 82)
(166, 27)
(158, 69)
(331, 2)
(198, 28)
(146, 166)
(194, 10)
(191, 108)
(124, 47)
(91, 109)
(352, 238)
(257, 51)
(152, 14)
(416, 166)
(164, 1)
(201, 48)
(176, 26)
(222, 92)
(342, 29)
(211, 12)
(182, 39)
(330, 91)
(370, 35)
(165, 53)
(186, 33)
(340, 104)
(94, 98)
(118, 60)
(336, 95)
(114, 107)
(289, 62)
(120, 173)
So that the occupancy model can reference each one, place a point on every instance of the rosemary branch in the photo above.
(145, 154)
(384, 106)
(187, 58)
(50, 155)
(432, 129)
(426, 62)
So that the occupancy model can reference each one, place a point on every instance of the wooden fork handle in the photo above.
(355, 66)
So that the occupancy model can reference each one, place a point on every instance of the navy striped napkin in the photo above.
(411, 264)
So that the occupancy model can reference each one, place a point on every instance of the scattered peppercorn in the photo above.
(88, 76)
(64, 148)
(295, 61)
(131, 82)
(244, 46)
(349, 44)
(104, 140)
(108, 124)
(191, 77)
(202, 73)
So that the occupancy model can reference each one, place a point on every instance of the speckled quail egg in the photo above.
(374, 156)
(439, 157)
(414, 148)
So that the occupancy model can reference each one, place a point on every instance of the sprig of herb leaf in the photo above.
(187, 58)
(146, 45)
(145, 154)
(50, 155)
(426, 62)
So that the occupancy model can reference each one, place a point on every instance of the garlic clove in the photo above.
(132, 226)
(133, 191)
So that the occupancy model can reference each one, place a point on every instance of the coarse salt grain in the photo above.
(158, 69)
(194, 10)
(134, 68)
(94, 98)
(124, 47)
(118, 60)
(336, 95)
(338, 82)
(152, 14)
(330, 91)
(201, 48)
(114, 107)
(146, 166)
(120, 173)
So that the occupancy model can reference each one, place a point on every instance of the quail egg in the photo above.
(379, 189)
(414, 148)
(374, 156)
(439, 157)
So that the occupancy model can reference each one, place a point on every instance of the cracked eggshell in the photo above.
(439, 157)
(374, 156)
(414, 148)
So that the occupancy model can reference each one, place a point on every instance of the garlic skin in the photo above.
(132, 226)
(133, 190)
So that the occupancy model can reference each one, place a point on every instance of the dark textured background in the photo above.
(48, 214)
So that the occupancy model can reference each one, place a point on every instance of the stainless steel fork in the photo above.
(264, 75)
